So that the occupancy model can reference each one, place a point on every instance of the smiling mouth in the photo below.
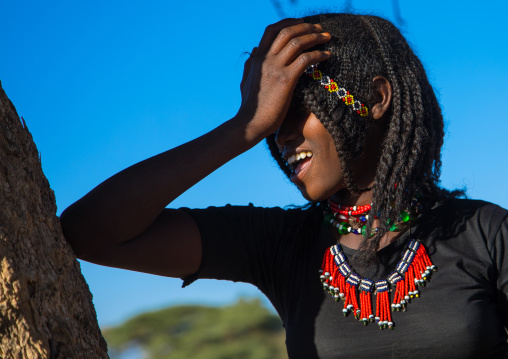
(295, 160)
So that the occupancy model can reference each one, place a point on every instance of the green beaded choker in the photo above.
(353, 219)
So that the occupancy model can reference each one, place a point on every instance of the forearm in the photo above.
(126, 204)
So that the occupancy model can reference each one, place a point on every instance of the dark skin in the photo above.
(124, 221)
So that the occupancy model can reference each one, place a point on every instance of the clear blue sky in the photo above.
(105, 84)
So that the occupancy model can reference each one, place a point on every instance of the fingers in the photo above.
(291, 33)
(300, 64)
(289, 39)
(273, 30)
(295, 46)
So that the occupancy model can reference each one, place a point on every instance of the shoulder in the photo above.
(465, 222)
(484, 214)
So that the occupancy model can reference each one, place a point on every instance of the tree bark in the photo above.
(46, 308)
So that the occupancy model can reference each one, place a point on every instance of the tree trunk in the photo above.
(46, 308)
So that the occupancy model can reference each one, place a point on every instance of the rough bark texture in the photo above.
(46, 308)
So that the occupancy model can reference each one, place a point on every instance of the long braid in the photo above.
(387, 172)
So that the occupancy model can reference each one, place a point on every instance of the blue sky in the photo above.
(103, 85)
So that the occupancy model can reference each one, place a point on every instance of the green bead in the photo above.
(328, 218)
(393, 227)
(364, 230)
(404, 216)
(343, 228)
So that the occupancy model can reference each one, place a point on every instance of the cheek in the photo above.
(325, 180)
(331, 167)
(333, 179)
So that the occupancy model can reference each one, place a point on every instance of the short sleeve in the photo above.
(242, 243)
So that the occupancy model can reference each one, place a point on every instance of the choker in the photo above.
(340, 280)
(353, 219)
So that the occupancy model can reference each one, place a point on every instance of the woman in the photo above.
(350, 117)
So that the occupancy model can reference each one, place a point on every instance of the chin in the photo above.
(313, 196)
(318, 194)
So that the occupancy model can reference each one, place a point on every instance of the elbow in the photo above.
(73, 235)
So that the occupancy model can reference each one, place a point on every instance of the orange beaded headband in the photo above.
(341, 92)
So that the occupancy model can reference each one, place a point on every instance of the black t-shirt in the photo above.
(461, 313)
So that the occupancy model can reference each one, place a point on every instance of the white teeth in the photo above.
(298, 157)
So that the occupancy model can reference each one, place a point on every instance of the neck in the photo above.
(349, 198)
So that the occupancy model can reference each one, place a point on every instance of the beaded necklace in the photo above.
(339, 279)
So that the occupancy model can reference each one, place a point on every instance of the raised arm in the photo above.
(123, 221)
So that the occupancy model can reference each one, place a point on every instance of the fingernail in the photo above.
(326, 34)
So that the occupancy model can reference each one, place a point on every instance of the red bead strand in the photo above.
(349, 210)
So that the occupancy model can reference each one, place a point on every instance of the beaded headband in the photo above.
(341, 92)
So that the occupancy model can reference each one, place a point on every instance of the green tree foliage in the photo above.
(244, 330)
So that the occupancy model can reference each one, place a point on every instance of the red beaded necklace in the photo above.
(349, 210)
(339, 279)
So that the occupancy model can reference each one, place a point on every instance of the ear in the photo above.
(383, 90)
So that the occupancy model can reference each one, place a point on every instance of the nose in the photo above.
(287, 132)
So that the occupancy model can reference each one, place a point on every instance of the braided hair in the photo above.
(363, 47)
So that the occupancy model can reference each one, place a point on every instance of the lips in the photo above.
(299, 161)
(300, 169)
